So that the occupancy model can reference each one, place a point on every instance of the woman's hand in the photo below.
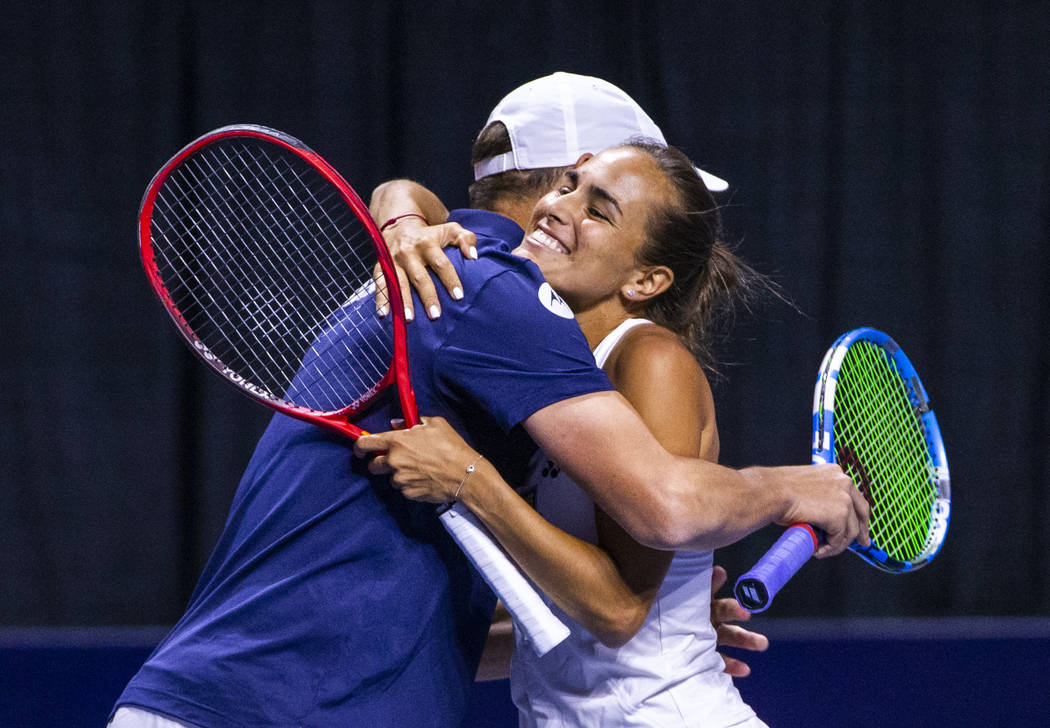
(415, 247)
(426, 463)
(724, 611)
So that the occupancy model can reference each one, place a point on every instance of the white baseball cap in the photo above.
(554, 120)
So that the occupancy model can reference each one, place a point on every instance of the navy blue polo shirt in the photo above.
(329, 599)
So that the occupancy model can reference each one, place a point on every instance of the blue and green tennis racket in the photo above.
(872, 416)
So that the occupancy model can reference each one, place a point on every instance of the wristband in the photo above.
(395, 218)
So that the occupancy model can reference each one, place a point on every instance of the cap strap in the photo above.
(494, 165)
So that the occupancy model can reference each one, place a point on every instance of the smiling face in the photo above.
(584, 234)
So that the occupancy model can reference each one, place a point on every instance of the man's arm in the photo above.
(668, 502)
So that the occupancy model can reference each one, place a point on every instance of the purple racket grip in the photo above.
(755, 589)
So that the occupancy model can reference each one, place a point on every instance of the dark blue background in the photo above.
(889, 163)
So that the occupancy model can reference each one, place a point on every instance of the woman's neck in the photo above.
(599, 321)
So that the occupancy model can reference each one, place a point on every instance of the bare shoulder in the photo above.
(656, 354)
(658, 375)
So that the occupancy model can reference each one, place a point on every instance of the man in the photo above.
(331, 601)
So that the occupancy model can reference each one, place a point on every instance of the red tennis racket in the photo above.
(259, 250)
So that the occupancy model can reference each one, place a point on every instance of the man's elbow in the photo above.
(664, 525)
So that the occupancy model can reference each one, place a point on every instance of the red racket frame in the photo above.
(398, 373)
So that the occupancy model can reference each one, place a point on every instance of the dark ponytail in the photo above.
(687, 237)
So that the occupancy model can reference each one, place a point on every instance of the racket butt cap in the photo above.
(752, 594)
(756, 589)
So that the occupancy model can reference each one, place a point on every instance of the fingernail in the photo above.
(408, 314)
(457, 293)
(473, 252)
(383, 311)
(434, 311)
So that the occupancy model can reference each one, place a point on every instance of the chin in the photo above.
(523, 252)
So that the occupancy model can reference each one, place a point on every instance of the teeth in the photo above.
(541, 238)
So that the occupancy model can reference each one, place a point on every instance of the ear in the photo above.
(646, 283)
(583, 158)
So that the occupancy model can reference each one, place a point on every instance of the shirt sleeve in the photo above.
(511, 354)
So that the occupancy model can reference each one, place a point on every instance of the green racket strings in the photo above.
(881, 445)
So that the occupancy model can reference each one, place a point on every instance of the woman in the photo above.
(629, 239)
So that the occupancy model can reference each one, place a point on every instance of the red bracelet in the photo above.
(394, 219)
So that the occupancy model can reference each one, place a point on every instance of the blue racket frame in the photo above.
(824, 440)
(755, 589)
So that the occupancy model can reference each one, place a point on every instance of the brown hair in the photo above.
(686, 236)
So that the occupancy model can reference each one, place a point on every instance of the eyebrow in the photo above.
(600, 192)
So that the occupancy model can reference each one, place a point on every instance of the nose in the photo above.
(559, 208)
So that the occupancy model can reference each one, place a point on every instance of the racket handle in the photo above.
(542, 629)
(755, 589)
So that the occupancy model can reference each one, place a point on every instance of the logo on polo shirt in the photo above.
(553, 302)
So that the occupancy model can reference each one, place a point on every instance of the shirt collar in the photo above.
(489, 225)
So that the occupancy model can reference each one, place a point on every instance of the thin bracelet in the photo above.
(470, 469)
(395, 218)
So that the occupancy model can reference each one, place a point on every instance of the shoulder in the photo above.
(511, 291)
(493, 231)
(655, 353)
(510, 312)
(658, 375)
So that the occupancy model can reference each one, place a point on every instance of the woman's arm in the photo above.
(499, 646)
(579, 576)
(403, 196)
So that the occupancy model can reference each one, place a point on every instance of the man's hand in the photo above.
(415, 247)
(724, 611)
(825, 497)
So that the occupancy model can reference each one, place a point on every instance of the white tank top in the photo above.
(668, 674)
